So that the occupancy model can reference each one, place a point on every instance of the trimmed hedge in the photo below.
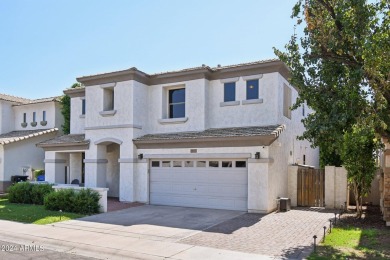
(27, 193)
(84, 201)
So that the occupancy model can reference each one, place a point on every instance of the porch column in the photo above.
(75, 166)
(55, 167)
(95, 166)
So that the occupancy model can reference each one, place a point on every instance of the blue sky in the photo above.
(45, 44)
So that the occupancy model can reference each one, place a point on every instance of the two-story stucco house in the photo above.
(201, 137)
(23, 123)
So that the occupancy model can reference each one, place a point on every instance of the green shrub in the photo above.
(84, 201)
(20, 193)
(39, 191)
(27, 193)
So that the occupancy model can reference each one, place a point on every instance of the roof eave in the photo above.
(236, 141)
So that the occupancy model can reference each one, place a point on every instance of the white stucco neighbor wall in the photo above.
(23, 153)
(52, 117)
(6, 117)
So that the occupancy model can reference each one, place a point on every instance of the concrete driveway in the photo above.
(160, 223)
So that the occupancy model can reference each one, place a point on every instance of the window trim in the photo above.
(178, 103)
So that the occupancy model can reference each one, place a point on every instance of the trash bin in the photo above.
(19, 178)
(284, 204)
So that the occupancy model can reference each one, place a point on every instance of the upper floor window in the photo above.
(34, 117)
(44, 116)
(83, 107)
(108, 99)
(303, 109)
(177, 99)
(229, 92)
(252, 89)
(287, 102)
(24, 117)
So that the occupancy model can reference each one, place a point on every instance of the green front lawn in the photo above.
(356, 243)
(35, 214)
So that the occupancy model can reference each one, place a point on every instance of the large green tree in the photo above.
(341, 66)
(359, 153)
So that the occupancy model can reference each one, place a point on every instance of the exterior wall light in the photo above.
(141, 156)
(257, 155)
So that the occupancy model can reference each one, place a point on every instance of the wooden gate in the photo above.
(311, 187)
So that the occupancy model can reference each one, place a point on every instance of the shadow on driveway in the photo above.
(166, 216)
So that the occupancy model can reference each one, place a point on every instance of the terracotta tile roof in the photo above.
(65, 139)
(15, 99)
(217, 132)
(16, 136)
(26, 101)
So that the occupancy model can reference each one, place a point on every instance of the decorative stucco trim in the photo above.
(229, 103)
(230, 80)
(113, 127)
(64, 147)
(247, 69)
(95, 161)
(108, 85)
(261, 160)
(198, 156)
(75, 92)
(246, 78)
(131, 160)
(173, 120)
(108, 140)
(54, 161)
(107, 113)
(82, 116)
(252, 101)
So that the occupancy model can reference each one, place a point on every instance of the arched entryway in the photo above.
(111, 146)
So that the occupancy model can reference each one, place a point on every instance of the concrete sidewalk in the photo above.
(109, 245)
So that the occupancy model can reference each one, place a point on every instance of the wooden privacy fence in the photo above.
(311, 187)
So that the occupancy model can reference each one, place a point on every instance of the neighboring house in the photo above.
(23, 123)
(200, 137)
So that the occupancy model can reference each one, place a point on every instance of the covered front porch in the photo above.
(65, 163)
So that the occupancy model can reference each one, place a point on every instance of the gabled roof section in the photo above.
(204, 71)
(17, 136)
(42, 100)
(25, 101)
(14, 99)
(235, 136)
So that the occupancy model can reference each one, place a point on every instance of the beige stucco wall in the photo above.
(336, 187)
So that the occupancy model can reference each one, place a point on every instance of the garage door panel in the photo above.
(200, 177)
(204, 187)
(200, 189)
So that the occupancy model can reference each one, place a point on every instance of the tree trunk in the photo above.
(358, 200)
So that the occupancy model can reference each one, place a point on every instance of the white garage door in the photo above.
(217, 184)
